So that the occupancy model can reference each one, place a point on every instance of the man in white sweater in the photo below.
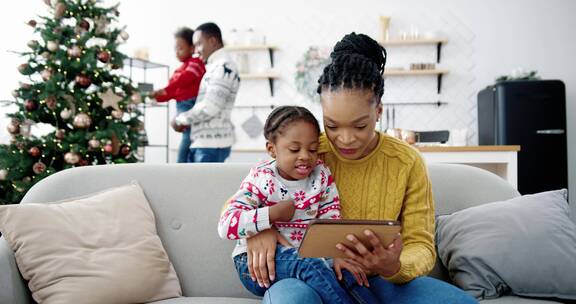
(212, 129)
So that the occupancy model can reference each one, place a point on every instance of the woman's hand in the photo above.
(352, 266)
(261, 253)
(384, 261)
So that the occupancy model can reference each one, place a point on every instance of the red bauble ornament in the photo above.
(104, 56)
(23, 68)
(84, 25)
(125, 150)
(83, 162)
(30, 105)
(39, 168)
(83, 81)
(32, 23)
(34, 152)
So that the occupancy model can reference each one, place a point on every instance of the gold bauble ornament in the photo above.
(65, 114)
(52, 46)
(71, 158)
(82, 121)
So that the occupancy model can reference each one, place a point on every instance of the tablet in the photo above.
(322, 236)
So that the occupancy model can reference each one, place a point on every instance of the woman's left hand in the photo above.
(384, 261)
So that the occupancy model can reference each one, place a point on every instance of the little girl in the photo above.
(287, 192)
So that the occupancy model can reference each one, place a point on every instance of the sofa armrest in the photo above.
(12, 287)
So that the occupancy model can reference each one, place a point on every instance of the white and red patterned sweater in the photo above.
(247, 211)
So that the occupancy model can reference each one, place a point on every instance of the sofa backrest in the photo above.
(187, 200)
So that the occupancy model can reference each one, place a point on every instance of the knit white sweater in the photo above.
(210, 117)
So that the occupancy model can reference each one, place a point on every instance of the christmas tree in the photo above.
(75, 90)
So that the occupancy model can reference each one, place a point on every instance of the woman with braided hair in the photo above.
(378, 178)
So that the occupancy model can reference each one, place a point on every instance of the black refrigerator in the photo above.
(531, 114)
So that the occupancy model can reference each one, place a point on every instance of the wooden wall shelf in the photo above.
(252, 48)
(270, 76)
(437, 42)
(437, 72)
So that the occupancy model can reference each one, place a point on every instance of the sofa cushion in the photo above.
(101, 248)
(513, 246)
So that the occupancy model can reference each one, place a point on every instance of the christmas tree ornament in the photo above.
(47, 2)
(83, 24)
(71, 158)
(82, 121)
(23, 68)
(15, 93)
(100, 23)
(94, 143)
(66, 114)
(52, 46)
(27, 179)
(32, 23)
(46, 74)
(50, 102)
(104, 56)
(60, 134)
(108, 148)
(124, 35)
(39, 168)
(74, 51)
(13, 128)
(83, 81)
(83, 162)
(3, 174)
(33, 44)
(25, 85)
(59, 10)
(136, 98)
(30, 105)
(110, 99)
(45, 55)
(34, 152)
(125, 150)
(117, 114)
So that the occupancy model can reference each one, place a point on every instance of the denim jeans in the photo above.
(418, 291)
(184, 149)
(315, 273)
(208, 155)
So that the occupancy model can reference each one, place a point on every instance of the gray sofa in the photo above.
(187, 200)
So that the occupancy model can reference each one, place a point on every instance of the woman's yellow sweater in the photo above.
(391, 183)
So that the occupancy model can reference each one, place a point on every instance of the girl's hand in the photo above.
(282, 211)
(353, 267)
(384, 261)
(261, 253)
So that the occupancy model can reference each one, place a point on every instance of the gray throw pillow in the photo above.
(525, 246)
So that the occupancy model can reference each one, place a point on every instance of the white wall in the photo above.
(486, 39)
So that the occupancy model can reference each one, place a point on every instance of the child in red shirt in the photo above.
(184, 84)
